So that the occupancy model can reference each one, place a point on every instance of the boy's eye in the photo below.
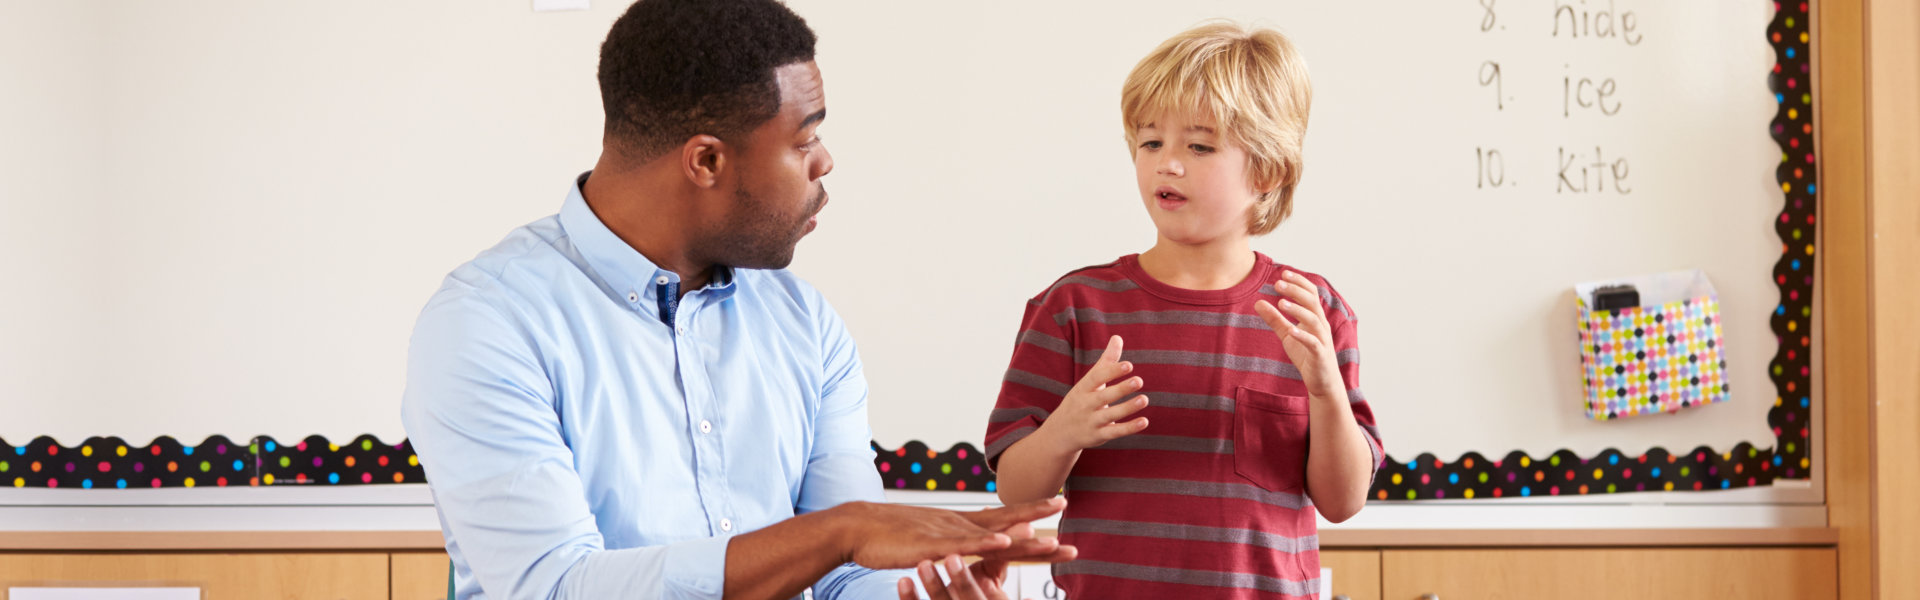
(1201, 148)
(1150, 144)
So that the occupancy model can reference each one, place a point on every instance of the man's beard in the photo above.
(758, 237)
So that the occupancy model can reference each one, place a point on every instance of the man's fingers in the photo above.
(1025, 548)
(981, 543)
(1022, 531)
(1060, 553)
(997, 519)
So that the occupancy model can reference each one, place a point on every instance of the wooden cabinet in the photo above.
(1597, 574)
(1356, 573)
(304, 576)
(419, 576)
(1376, 565)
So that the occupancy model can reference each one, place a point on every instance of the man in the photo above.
(629, 398)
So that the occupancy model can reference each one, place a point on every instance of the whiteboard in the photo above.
(231, 213)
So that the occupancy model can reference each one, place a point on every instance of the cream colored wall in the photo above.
(232, 211)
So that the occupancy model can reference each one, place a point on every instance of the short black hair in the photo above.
(673, 69)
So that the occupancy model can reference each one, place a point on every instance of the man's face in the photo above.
(776, 187)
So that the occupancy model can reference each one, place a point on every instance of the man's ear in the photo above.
(703, 158)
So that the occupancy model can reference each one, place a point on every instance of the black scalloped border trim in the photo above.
(112, 463)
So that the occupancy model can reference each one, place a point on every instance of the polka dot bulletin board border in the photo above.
(112, 463)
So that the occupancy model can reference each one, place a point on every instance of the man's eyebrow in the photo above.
(816, 117)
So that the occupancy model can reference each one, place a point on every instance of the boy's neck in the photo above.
(1218, 265)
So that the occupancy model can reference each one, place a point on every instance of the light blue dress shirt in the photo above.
(584, 439)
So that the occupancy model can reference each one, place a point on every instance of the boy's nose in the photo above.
(1172, 168)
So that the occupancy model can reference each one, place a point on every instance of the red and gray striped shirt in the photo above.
(1210, 500)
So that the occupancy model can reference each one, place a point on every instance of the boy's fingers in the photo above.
(1311, 342)
(1101, 375)
(1116, 431)
(1119, 410)
(1272, 316)
(930, 579)
(989, 572)
(905, 588)
(1300, 290)
(1303, 318)
(1113, 393)
(1112, 353)
(960, 578)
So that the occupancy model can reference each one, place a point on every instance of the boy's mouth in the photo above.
(1169, 198)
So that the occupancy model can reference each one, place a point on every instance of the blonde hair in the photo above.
(1253, 82)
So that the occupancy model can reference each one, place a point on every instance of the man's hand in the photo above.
(1302, 325)
(1087, 416)
(894, 536)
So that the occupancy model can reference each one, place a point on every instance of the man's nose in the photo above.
(826, 163)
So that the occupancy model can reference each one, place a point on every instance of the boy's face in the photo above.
(1193, 179)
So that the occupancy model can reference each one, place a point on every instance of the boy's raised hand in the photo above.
(1304, 332)
(1087, 415)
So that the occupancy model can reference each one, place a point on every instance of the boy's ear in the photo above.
(1267, 187)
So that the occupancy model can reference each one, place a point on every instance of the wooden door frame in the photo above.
(1867, 79)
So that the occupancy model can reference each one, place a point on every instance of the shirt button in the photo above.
(680, 330)
(726, 524)
(662, 280)
(632, 297)
(706, 426)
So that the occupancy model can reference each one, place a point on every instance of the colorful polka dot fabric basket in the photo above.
(1659, 357)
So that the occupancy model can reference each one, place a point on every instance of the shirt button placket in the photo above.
(710, 476)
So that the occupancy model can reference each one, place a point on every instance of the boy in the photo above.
(1258, 420)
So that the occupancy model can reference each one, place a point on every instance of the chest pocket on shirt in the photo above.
(1270, 439)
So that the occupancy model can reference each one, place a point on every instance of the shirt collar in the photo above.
(625, 271)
